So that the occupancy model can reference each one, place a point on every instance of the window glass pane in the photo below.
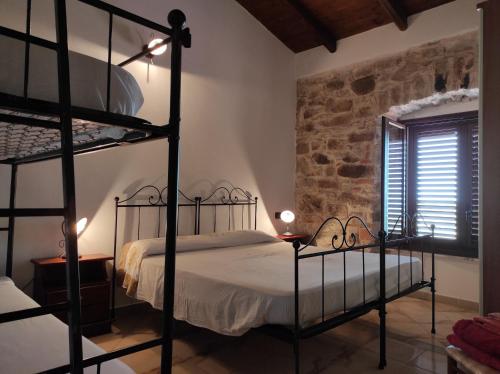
(437, 183)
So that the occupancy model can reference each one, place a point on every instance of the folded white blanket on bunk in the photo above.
(88, 78)
(235, 288)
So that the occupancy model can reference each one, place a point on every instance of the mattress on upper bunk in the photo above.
(88, 80)
(37, 344)
(233, 289)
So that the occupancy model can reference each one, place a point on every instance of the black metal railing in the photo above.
(343, 242)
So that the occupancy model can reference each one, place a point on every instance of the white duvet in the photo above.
(235, 288)
(37, 344)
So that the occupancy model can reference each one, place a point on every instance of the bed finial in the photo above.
(176, 18)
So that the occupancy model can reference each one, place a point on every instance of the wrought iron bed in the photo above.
(343, 241)
(152, 198)
(30, 113)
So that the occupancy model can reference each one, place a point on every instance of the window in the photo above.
(432, 171)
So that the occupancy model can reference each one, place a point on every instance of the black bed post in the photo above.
(433, 282)
(382, 312)
(68, 175)
(113, 274)
(12, 222)
(382, 237)
(255, 213)
(180, 38)
(197, 214)
(296, 335)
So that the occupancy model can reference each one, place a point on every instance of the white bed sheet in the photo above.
(231, 290)
(88, 78)
(35, 344)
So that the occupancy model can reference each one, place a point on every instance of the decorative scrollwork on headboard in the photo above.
(156, 196)
(153, 199)
(228, 196)
(183, 195)
(347, 239)
(150, 196)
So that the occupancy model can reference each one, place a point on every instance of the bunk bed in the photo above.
(263, 283)
(35, 129)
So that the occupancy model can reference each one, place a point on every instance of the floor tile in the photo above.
(350, 348)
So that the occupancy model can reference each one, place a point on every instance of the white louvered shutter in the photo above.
(437, 164)
(395, 186)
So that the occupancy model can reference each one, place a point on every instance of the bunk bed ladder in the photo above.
(69, 193)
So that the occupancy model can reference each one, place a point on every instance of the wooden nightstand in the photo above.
(50, 288)
(303, 238)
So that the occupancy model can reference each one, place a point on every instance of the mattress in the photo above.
(88, 80)
(231, 290)
(36, 344)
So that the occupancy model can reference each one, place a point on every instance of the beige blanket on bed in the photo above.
(133, 253)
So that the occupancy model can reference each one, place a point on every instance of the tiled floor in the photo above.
(351, 348)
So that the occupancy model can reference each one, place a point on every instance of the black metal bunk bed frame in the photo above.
(23, 106)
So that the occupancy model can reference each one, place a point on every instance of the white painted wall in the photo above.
(445, 21)
(238, 118)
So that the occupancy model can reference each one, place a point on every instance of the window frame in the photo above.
(464, 245)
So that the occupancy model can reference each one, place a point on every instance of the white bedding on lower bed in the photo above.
(36, 344)
(231, 290)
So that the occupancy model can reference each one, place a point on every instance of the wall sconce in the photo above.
(161, 49)
(288, 217)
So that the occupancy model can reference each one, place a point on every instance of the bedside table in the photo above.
(302, 238)
(49, 287)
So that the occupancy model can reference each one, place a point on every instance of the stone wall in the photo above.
(338, 136)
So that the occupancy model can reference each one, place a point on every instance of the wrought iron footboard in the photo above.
(346, 242)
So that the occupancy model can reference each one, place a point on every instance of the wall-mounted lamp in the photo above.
(80, 227)
(288, 217)
(161, 49)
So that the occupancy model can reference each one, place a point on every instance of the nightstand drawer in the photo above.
(95, 294)
(95, 313)
(90, 295)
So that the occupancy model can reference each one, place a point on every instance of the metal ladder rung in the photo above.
(33, 212)
(33, 312)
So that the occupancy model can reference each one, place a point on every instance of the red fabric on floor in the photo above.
(483, 333)
(475, 353)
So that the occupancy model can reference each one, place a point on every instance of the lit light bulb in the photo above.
(80, 225)
(158, 51)
(287, 216)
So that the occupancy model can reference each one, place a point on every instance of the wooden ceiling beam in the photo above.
(396, 12)
(327, 38)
